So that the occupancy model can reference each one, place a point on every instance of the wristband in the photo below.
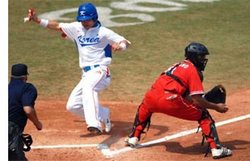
(44, 23)
(123, 46)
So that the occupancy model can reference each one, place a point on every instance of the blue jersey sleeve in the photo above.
(29, 95)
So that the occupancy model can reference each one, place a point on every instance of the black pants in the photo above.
(16, 152)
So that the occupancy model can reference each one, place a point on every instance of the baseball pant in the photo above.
(156, 101)
(83, 100)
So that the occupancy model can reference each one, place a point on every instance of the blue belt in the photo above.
(87, 68)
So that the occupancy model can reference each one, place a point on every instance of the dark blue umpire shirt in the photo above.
(20, 94)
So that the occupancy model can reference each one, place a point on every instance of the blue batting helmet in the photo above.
(86, 11)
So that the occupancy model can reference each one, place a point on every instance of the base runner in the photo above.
(94, 43)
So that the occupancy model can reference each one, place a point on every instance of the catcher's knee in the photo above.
(205, 115)
(140, 125)
(208, 127)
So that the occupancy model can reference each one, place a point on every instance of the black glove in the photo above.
(216, 94)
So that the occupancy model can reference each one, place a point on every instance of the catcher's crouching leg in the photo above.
(209, 132)
(142, 120)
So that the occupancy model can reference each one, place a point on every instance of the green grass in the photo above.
(223, 26)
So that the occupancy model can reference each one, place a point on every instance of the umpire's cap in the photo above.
(19, 70)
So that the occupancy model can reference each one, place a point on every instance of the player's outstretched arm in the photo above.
(121, 45)
(200, 101)
(51, 24)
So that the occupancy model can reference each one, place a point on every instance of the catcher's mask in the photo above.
(196, 53)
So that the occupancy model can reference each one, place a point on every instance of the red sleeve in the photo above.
(186, 73)
(194, 82)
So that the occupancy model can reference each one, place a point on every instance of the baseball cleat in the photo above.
(95, 130)
(132, 142)
(108, 126)
(221, 152)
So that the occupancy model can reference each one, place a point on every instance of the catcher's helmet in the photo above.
(86, 11)
(196, 53)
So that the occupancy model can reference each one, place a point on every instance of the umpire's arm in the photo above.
(31, 114)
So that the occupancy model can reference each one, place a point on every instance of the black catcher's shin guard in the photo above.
(209, 131)
(140, 125)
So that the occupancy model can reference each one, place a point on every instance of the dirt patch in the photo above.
(63, 128)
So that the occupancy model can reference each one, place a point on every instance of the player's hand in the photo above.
(121, 45)
(222, 108)
(32, 16)
(39, 125)
(116, 47)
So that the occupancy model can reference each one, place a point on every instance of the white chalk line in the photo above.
(109, 153)
(64, 146)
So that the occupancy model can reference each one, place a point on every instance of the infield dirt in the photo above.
(63, 128)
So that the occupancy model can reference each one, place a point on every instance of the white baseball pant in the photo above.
(83, 100)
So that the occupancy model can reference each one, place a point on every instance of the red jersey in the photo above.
(187, 74)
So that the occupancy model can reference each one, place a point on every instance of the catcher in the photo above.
(22, 97)
(179, 92)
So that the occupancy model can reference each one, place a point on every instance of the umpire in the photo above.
(22, 97)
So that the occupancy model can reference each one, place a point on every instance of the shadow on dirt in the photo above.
(122, 129)
(197, 149)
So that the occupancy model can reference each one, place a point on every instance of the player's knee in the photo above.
(72, 106)
(69, 106)
(205, 116)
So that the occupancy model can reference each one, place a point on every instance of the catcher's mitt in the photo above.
(216, 94)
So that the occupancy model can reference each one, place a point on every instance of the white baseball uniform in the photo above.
(94, 48)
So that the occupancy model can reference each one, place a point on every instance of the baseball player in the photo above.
(22, 97)
(179, 92)
(95, 44)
